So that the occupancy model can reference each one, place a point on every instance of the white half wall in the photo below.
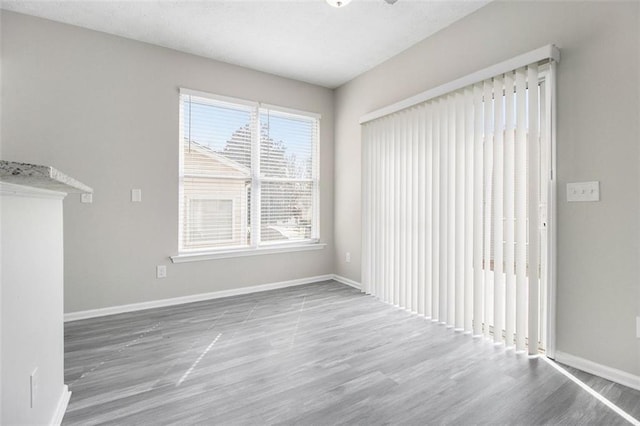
(105, 110)
(31, 327)
(598, 139)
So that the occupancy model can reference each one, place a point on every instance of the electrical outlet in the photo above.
(347, 257)
(161, 271)
(33, 387)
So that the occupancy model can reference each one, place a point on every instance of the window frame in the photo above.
(256, 246)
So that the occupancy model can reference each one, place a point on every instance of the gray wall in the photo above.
(598, 137)
(104, 110)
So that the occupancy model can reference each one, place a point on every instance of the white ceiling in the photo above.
(306, 40)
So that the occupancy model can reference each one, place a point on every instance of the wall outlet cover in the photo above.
(161, 271)
(136, 195)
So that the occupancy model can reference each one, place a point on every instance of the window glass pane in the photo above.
(216, 174)
(216, 212)
(286, 145)
(217, 138)
(210, 220)
(286, 212)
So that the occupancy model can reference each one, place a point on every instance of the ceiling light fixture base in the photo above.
(338, 3)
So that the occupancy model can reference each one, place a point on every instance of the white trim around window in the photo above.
(243, 252)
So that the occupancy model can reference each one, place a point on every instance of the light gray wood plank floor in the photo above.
(316, 354)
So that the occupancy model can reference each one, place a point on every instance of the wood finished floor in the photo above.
(317, 354)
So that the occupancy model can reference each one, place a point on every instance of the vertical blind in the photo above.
(451, 193)
(248, 174)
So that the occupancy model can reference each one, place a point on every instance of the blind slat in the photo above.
(460, 211)
(509, 182)
(521, 210)
(405, 173)
(422, 222)
(488, 204)
(533, 207)
(498, 210)
(429, 208)
(444, 210)
(468, 210)
(436, 251)
(451, 212)
(478, 202)
(415, 203)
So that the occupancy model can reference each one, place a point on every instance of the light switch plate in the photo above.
(136, 195)
(583, 191)
(86, 198)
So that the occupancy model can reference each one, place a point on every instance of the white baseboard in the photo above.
(609, 373)
(347, 281)
(63, 402)
(112, 310)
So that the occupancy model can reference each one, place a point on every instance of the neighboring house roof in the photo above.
(213, 160)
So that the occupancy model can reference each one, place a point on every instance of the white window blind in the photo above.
(203, 212)
(451, 205)
(248, 174)
(287, 170)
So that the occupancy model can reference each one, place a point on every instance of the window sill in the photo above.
(225, 254)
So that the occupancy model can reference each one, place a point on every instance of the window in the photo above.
(248, 175)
